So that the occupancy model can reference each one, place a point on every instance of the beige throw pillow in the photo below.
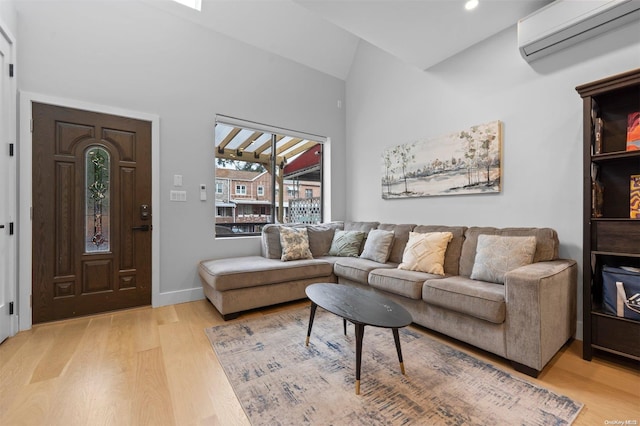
(377, 247)
(295, 244)
(496, 255)
(425, 252)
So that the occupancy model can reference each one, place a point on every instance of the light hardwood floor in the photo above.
(150, 366)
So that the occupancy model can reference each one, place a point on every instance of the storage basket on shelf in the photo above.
(621, 291)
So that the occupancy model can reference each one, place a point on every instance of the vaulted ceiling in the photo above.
(324, 34)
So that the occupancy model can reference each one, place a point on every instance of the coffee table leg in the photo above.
(396, 337)
(344, 325)
(359, 335)
(312, 314)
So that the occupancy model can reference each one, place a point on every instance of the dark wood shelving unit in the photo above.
(612, 238)
(614, 156)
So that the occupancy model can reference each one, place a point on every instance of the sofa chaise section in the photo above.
(238, 284)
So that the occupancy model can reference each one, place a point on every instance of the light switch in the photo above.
(203, 192)
(177, 180)
(177, 195)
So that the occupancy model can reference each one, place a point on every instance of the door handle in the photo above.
(1, 226)
(142, 228)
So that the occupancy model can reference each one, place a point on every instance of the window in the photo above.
(258, 161)
(241, 190)
(97, 199)
(219, 187)
(245, 210)
(308, 193)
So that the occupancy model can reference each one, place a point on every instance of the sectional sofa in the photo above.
(526, 318)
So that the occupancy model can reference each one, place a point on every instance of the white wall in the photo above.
(9, 16)
(137, 57)
(390, 103)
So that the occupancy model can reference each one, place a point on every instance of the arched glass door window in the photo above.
(97, 199)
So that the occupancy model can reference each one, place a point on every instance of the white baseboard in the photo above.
(178, 296)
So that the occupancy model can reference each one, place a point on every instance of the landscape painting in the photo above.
(464, 162)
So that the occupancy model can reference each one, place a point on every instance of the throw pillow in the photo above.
(496, 255)
(425, 252)
(346, 243)
(295, 244)
(377, 246)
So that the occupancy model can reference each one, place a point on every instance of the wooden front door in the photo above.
(91, 212)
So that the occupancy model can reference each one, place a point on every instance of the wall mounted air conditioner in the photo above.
(566, 22)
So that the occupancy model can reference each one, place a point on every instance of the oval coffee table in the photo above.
(360, 307)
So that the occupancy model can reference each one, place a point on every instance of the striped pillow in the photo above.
(346, 243)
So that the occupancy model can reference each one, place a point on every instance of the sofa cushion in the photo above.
(360, 226)
(478, 299)
(295, 244)
(270, 241)
(400, 238)
(321, 236)
(357, 269)
(496, 255)
(400, 282)
(378, 245)
(270, 238)
(346, 243)
(452, 255)
(546, 244)
(330, 259)
(252, 271)
(425, 252)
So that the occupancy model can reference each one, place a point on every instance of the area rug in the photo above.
(280, 381)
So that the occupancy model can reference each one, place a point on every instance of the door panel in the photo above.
(91, 174)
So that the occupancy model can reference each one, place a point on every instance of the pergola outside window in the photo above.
(270, 173)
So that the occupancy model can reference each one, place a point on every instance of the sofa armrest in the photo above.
(541, 310)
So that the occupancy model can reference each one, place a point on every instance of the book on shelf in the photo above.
(633, 131)
(594, 118)
(634, 197)
(599, 128)
(597, 193)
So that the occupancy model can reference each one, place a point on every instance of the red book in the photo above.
(633, 131)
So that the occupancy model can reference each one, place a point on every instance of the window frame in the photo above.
(275, 209)
(243, 187)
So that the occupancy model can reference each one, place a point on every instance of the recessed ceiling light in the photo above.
(471, 4)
